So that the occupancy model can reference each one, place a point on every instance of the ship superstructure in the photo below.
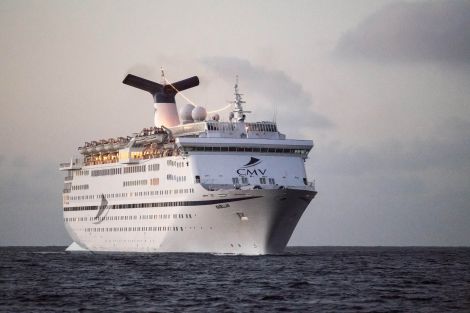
(199, 185)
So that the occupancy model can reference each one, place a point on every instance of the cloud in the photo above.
(293, 103)
(410, 192)
(412, 32)
(20, 162)
(30, 210)
(446, 148)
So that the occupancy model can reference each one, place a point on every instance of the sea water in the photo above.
(303, 279)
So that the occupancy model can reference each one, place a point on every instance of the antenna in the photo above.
(163, 81)
(238, 103)
(274, 112)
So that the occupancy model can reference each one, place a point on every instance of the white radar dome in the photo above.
(199, 114)
(186, 113)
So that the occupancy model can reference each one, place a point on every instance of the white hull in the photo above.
(205, 186)
(261, 224)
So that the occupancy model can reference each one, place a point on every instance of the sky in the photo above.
(382, 87)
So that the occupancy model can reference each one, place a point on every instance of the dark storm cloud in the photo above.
(412, 32)
(293, 103)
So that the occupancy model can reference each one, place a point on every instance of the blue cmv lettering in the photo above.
(251, 173)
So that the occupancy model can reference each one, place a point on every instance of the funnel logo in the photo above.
(253, 161)
(248, 170)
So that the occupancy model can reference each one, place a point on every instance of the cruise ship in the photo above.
(194, 182)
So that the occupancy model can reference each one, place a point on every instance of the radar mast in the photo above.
(238, 104)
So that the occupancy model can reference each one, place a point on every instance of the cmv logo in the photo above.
(246, 169)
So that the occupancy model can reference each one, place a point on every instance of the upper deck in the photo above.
(206, 136)
(197, 134)
(236, 130)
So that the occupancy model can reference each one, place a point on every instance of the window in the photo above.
(131, 183)
(197, 179)
(107, 171)
(235, 181)
(80, 187)
(153, 167)
(271, 181)
(134, 169)
(244, 180)
(262, 180)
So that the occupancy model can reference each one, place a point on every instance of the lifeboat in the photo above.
(108, 145)
(120, 143)
(86, 149)
(100, 146)
(116, 145)
(92, 148)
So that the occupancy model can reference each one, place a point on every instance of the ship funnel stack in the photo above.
(163, 94)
